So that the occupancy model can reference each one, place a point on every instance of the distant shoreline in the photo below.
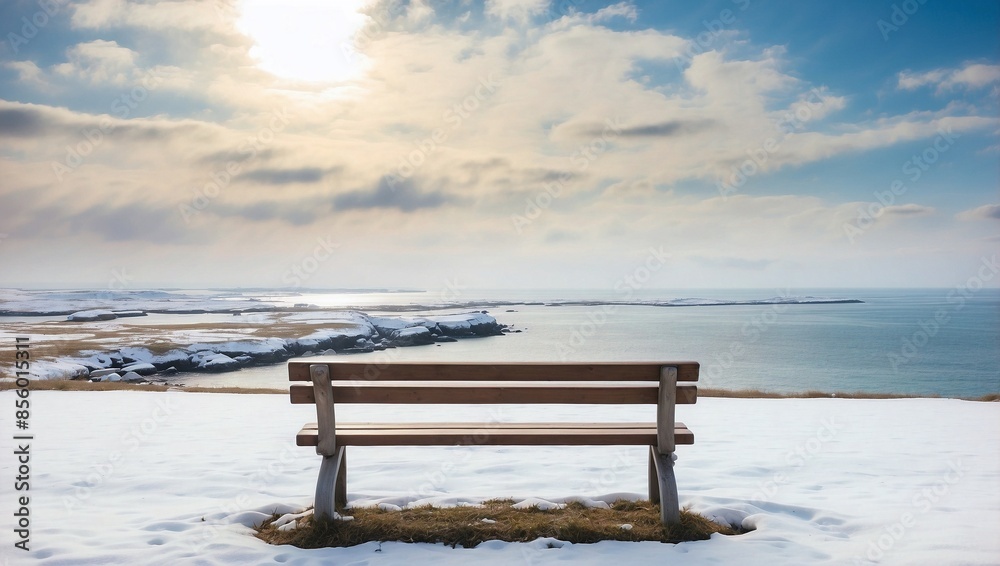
(467, 305)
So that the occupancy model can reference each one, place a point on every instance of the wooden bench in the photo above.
(663, 384)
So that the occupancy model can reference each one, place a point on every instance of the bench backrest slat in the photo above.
(298, 370)
(492, 393)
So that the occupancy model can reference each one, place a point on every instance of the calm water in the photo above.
(890, 343)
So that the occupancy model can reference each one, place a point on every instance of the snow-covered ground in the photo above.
(177, 478)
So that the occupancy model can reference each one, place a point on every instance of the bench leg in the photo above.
(340, 495)
(327, 483)
(670, 512)
(654, 482)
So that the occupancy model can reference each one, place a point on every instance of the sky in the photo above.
(499, 144)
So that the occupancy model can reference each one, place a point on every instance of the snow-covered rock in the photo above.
(103, 372)
(411, 336)
(58, 370)
(132, 377)
(128, 314)
(141, 368)
(213, 361)
(91, 315)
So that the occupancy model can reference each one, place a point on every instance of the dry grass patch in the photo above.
(465, 526)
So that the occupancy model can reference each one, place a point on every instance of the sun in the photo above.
(305, 40)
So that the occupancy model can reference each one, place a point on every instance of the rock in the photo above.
(169, 371)
(411, 336)
(141, 368)
(445, 339)
(100, 372)
(114, 377)
(91, 315)
(128, 314)
(132, 377)
(59, 370)
(244, 360)
(468, 324)
(214, 361)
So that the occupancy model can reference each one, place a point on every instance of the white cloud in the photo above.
(985, 212)
(520, 11)
(969, 76)
(482, 121)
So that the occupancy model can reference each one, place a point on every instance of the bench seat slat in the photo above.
(340, 369)
(492, 393)
(494, 434)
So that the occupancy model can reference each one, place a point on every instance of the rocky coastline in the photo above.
(361, 333)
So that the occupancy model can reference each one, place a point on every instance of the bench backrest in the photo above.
(664, 384)
(494, 383)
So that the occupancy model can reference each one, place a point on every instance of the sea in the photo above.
(927, 342)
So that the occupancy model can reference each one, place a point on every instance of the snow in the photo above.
(58, 370)
(91, 315)
(180, 478)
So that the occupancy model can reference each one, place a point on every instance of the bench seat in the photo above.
(499, 434)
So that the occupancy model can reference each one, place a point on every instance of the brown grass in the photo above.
(464, 526)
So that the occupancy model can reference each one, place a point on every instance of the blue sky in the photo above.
(506, 143)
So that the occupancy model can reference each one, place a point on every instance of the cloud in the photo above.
(285, 176)
(23, 121)
(299, 212)
(669, 128)
(970, 76)
(985, 212)
(518, 10)
(907, 210)
(735, 262)
(404, 196)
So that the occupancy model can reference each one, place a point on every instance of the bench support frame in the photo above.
(331, 485)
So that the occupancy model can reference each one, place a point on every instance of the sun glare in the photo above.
(307, 40)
